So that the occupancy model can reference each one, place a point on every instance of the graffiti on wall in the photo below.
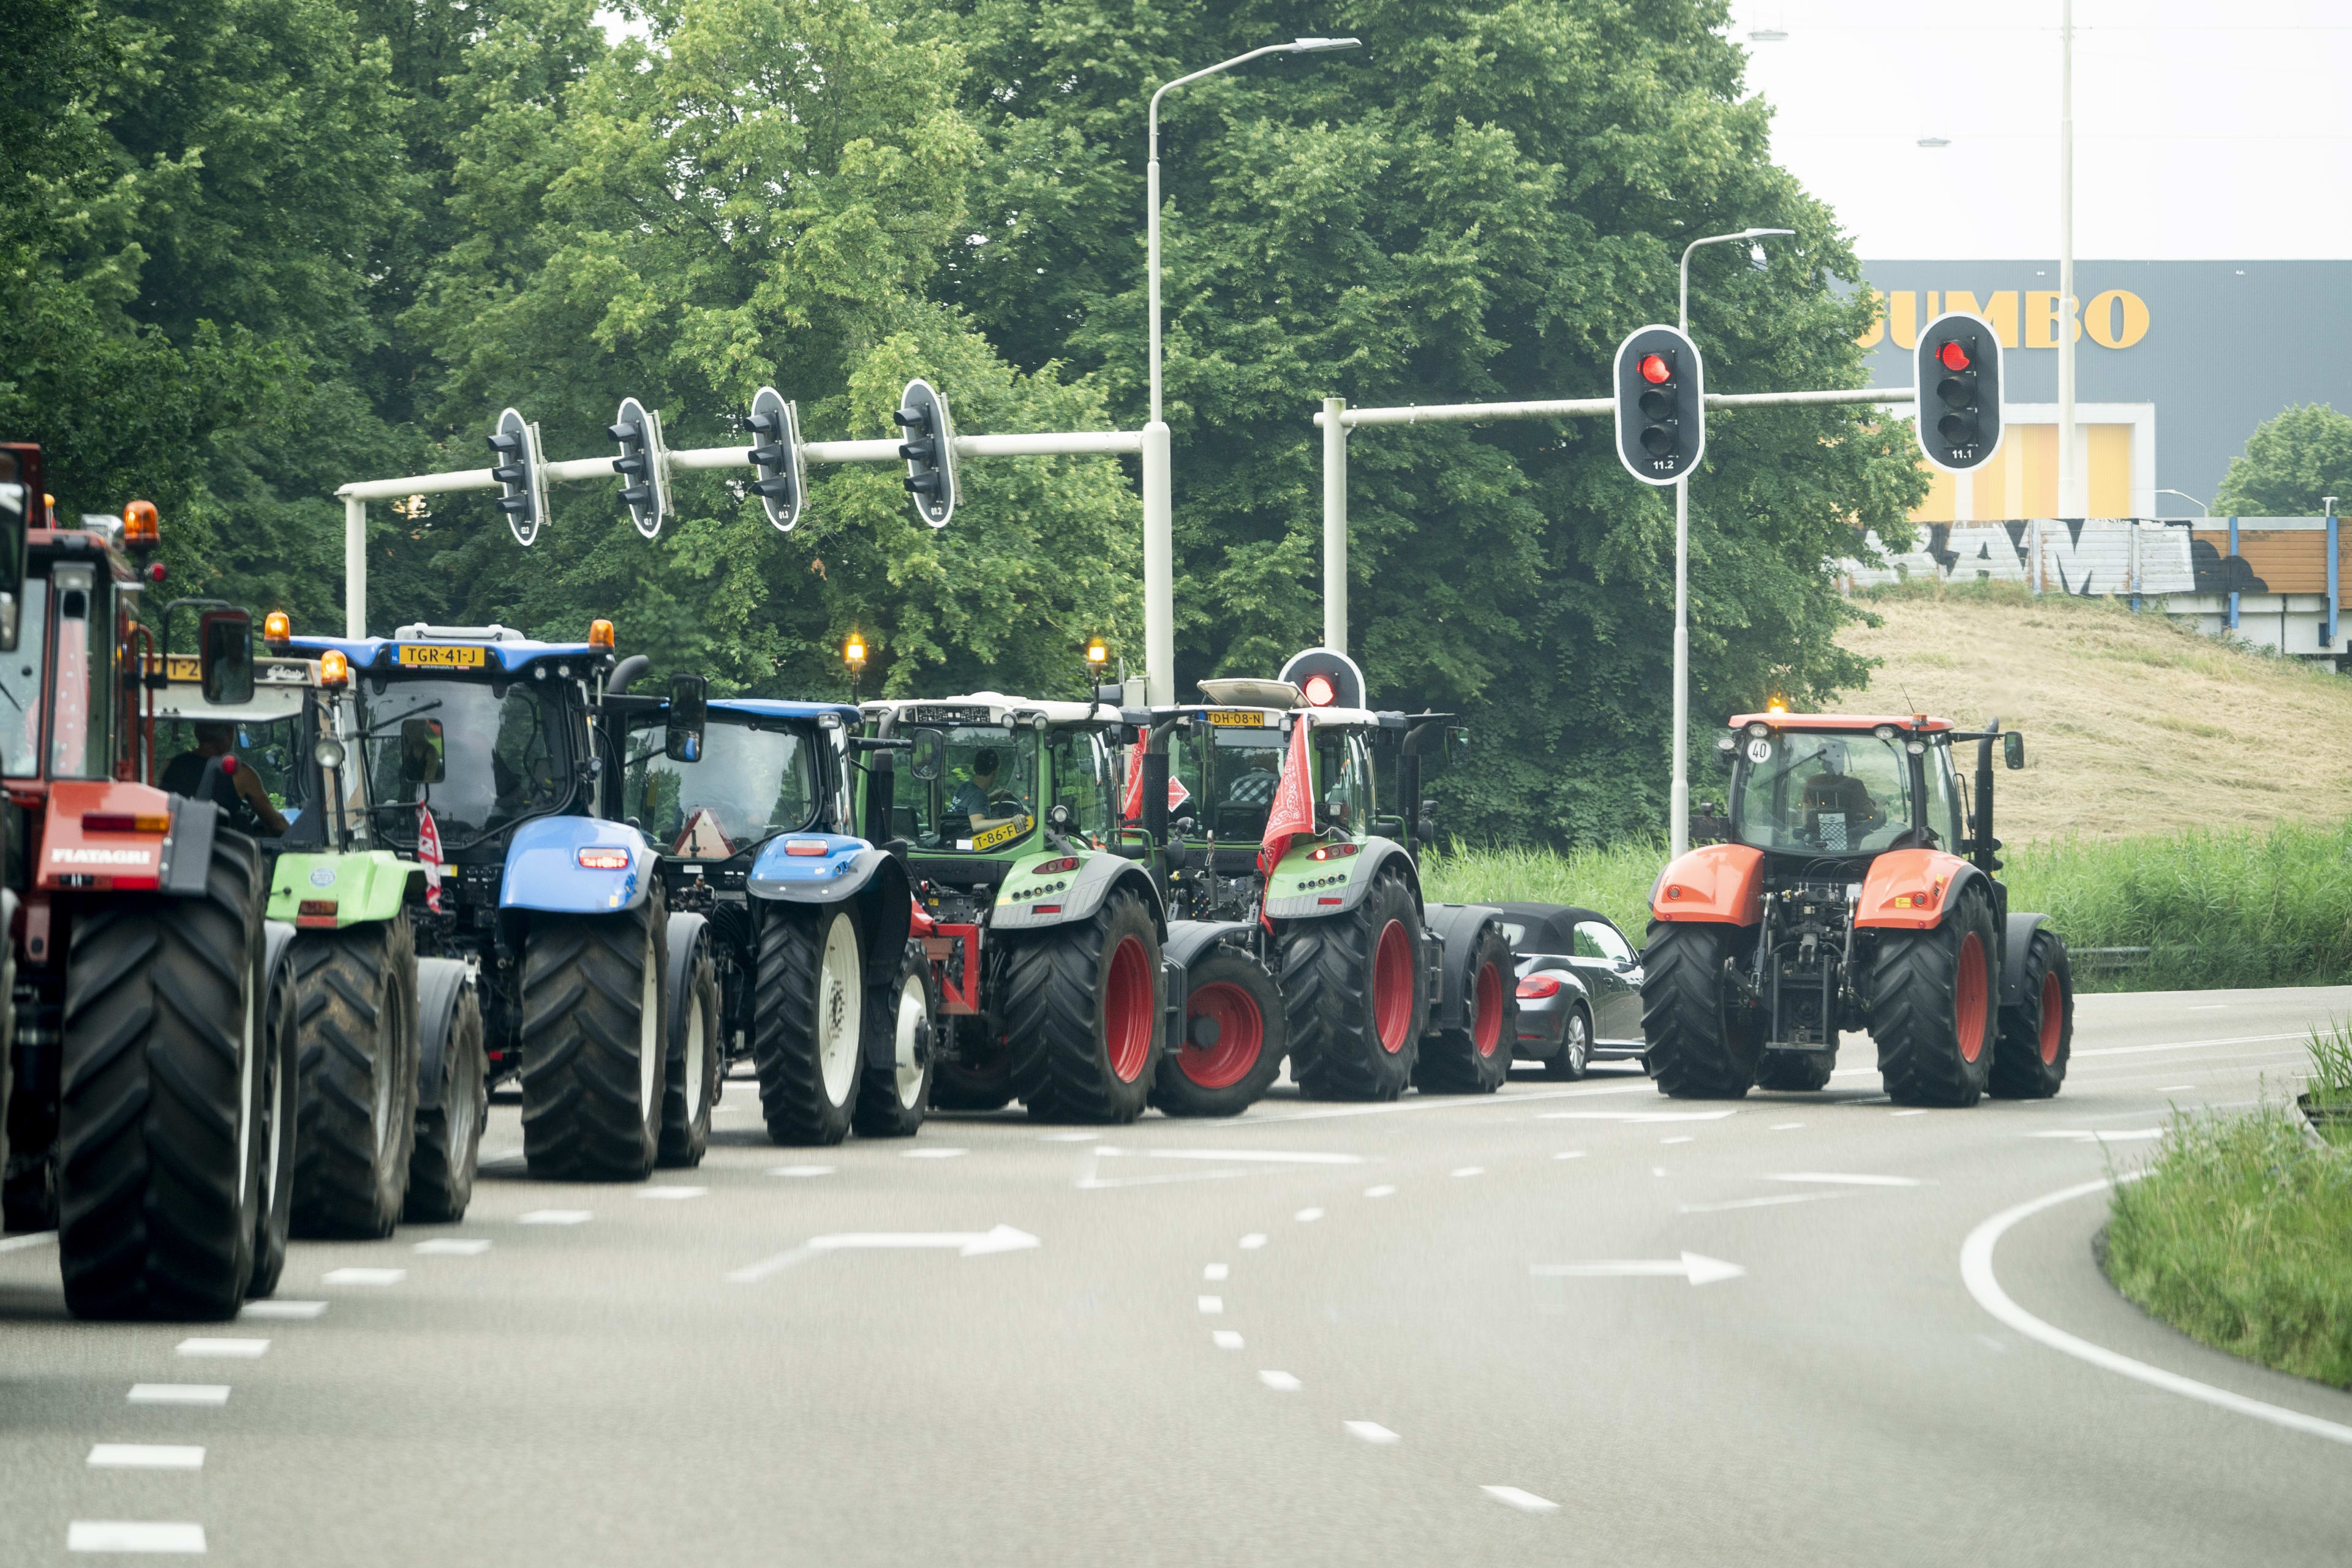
(2077, 555)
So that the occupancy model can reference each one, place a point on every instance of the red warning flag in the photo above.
(1293, 811)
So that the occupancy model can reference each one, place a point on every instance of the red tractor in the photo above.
(147, 1113)
(1856, 891)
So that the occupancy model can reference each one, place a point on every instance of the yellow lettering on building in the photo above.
(2102, 312)
(1875, 333)
(1999, 308)
(2042, 313)
(1903, 319)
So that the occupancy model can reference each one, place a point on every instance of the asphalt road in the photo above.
(1319, 1335)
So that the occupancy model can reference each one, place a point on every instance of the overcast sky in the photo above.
(2203, 130)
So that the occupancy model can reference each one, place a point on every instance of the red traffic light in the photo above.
(1953, 356)
(1656, 370)
(1320, 691)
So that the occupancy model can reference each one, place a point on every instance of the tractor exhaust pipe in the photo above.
(1985, 842)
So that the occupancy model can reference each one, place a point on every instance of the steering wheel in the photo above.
(1009, 801)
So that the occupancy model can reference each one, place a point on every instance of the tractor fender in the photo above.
(1189, 942)
(276, 945)
(851, 871)
(2015, 938)
(1457, 926)
(1723, 883)
(366, 885)
(543, 870)
(1909, 890)
(441, 982)
(1082, 895)
(1303, 888)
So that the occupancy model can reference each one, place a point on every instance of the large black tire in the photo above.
(1476, 1059)
(1236, 1036)
(1575, 1054)
(898, 1022)
(1933, 998)
(593, 1041)
(1701, 1042)
(449, 1132)
(2037, 1036)
(808, 1021)
(691, 1075)
(1794, 1072)
(1081, 1005)
(276, 1093)
(1351, 986)
(162, 1026)
(984, 1084)
(356, 998)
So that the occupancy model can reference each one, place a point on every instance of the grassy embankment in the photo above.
(2240, 1234)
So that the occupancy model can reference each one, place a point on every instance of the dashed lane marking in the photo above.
(131, 1535)
(453, 1246)
(1448, 1102)
(2172, 1087)
(800, 1171)
(2120, 1135)
(932, 1153)
(1212, 1305)
(1067, 1137)
(1369, 1431)
(146, 1456)
(1308, 1217)
(1686, 1139)
(221, 1346)
(374, 1277)
(1215, 1271)
(281, 1312)
(1252, 1156)
(1784, 1127)
(1380, 1192)
(1525, 1502)
(1470, 1170)
(1570, 1154)
(1641, 1116)
(556, 1217)
(1773, 1201)
(1252, 1241)
(179, 1394)
(1845, 1179)
(1226, 1340)
(1280, 1382)
(673, 1193)
(1695, 1268)
(1910, 1113)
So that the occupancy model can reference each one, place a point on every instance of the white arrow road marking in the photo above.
(284, 1311)
(128, 1535)
(1253, 1156)
(1369, 1431)
(145, 1456)
(1527, 1502)
(1690, 1266)
(1634, 1115)
(2126, 1135)
(179, 1394)
(1843, 1179)
(963, 1243)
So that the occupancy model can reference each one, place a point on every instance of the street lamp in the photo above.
(853, 653)
(1678, 825)
(1159, 563)
(2184, 495)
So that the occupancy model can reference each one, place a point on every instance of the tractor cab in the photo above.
(273, 734)
(1814, 787)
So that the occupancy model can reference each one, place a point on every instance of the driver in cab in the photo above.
(184, 772)
(973, 798)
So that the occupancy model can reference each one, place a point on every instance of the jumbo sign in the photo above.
(2115, 319)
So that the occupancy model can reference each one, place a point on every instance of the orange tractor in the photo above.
(1856, 891)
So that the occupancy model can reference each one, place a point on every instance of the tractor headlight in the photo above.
(1884, 731)
(1759, 729)
(327, 753)
(1916, 748)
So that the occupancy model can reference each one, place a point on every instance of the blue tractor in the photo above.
(484, 755)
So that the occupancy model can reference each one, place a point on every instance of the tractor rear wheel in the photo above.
(1352, 986)
(1476, 1058)
(1932, 1000)
(891, 1099)
(808, 1021)
(1081, 1007)
(1235, 1035)
(690, 1073)
(163, 1013)
(2037, 1036)
(594, 1043)
(1702, 1045)
(448, 1132)
(357, 1002)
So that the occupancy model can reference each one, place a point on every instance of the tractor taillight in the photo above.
(807, 846)
(1539, 986)
(1335, 851)
(1054, 868)
(604, 859)
(126, 822)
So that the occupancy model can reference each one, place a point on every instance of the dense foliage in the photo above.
(255, 248)
(2293, 461)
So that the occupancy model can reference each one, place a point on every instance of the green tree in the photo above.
(2291, 461)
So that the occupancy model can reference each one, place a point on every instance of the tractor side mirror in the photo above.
(1727, 752)
(1457, 746)
(423, 758)
(929, 760)
(2012, 750)
(224, 657)
(688, 712)
(1426, 829)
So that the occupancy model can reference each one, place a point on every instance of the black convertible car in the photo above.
(1579, 986)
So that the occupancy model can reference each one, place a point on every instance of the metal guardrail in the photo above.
(2108, 960)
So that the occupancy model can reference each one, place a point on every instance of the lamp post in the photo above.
(1678, 825)
(1159, 552)
(2184, 495)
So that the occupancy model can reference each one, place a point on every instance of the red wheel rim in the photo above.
(1968, 999)
(1392, 986)
(1240, 1035)
(1486, 1022)
(1126, 1009)
(2054, 1017)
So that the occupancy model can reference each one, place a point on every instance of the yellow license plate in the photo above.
(184, 666)
(1239, 718)
(442, 657)
(1002, 832)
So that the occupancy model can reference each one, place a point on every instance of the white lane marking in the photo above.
(673, 1193)
(1683, 1139)
(800, 1170)
(963, 1243)
(1976, 1271)
(2174, 1087)
(1253, 1157)
(1635, 1115)
(1773, 1201)
(1784, 1127)
(1380, 1192)
(1211, 1305)
(281, 1312)
(2121, 1135)
(38, 1239)
(1308, 1217)
(453, 1246)
(1657, 1170)
(556, 1217)
(1693, 1266)
(2187, 1044)
(179, 1394)
(1910, 1113)
(1252, 1241)
(1215, 1271)
(1570, 1154)
(1845, 1179)
(145, 1456)
(370, 1277)
(2207, 1008)
(1280, 1382)
(241, 1350)
(1471, 1170)
(1369, 1431)
(932, 1153)
(128, 1535)
(1093, 1183)
(1067, 1137)
(1226, 1340)
(1526, 1502)
(1449, 1103)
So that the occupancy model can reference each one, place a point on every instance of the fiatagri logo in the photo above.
(63, 857)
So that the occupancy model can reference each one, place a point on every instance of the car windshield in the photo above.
(985, 799)
(756, 778)
(1838, 794)
(1226, 780)
(501, 751)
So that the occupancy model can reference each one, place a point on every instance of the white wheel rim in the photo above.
(245, 1066)
(698, 1057)
(649, 1050)
(464, 1117)
(381, 1069)
(838, 1014)
(276, 1150)
(910, 1023)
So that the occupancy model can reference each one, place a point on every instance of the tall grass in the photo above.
(2224, 907)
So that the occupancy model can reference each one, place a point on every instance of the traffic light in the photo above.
(780, 476)
(1661, 405)
(1326, 677)
(930, 451)
(1958, 384)
(522, 487)
(644, 487)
